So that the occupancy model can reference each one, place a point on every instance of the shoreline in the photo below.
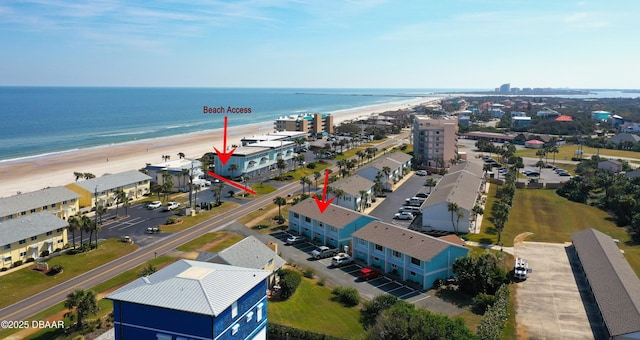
(32, 173)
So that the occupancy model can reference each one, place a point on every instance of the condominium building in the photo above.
(134, 183)
(255, 159)
(58, 201)
(435, 139)
(30, 237)
(316, 124)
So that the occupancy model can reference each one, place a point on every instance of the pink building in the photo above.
(435, 139)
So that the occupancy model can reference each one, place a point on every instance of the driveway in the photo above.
(553, 302)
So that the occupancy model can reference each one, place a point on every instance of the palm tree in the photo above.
(361, 155)
(554, 149)
(539, 164)
(303, 182)
(84, 302)
(184, 174)
(486, 168)
(500, 217)
(316, 176)
(75, 223)
(281, 166)
(233, 168)
(387, 171)
(217, 192)
(280, 201)
(157, 189)
(121, 196)
(430, 182)
(101, 210)
(87, 224)
(477, 210)
(338, 193)
(181, 155)
(363, 199)
(88, 175)
(167, 183)
(78, 175)
(308, 182)
(454, 208)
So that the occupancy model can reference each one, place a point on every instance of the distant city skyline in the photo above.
(320, 44)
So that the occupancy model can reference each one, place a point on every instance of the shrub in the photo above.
(347, 296)
(311, 165)
(438, 283)
(173, 219)
(483, 301)
(55, 270)
(289, 281)
(279, 219)
(17, 263)
(31, 259)
(308, 272)
(44, 253)
(495, 318)
(322, 281)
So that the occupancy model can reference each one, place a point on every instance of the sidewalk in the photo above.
(509, 250)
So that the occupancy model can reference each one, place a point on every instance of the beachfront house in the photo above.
(193, 300)
(407, 254)
(463, 185)
(180, 172)
(102, 190)
(58, 201)
(255, 159)
(333, 227)
(263, 256)
(26, 238)
(355, 192)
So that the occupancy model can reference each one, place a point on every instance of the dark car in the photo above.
(369, 273)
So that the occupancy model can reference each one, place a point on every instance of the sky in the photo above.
(474, 44)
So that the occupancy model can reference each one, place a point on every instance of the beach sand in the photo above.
(35, 173)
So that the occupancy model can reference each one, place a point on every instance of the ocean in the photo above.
(45, 120)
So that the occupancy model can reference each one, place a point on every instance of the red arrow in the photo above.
(322, 205)
(224, 156)
(230, 182)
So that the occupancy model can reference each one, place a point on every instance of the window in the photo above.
(234, 329)
(23, 213)
(412, 273)
(396, 253)
(53, 205)
(307, 219)
(415, 261)
(393, 265)
(64, 202)
(160, 336)
(249, 316)
(320, 225)
(45, 208)
(23, 241)
(376, 259)
(59, 230)
(7, 246)
(234, 309)
(33, 210)
(7, 259)
(23, 253)
(49, 233)
(296, 215)
(60, 241)
(362, 241)
(378, 247)
(33, 238)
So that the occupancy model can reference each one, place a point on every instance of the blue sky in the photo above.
(341, 44)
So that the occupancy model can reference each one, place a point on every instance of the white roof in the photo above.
(192, 286)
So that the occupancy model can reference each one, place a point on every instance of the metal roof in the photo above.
(614, 284)
(334, 215)
(406, 241)
(352, 185)
(34, 200)
(249, 253)
(399, 157)
(460, 186)
(113, 181)
(192, 286)
(26, 226)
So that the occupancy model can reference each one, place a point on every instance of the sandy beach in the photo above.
(35, 173)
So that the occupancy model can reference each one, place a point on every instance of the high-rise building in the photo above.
(435, 140)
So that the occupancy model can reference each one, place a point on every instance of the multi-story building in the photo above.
(58, 201)
(435, 139)
(193, 300)
(333, 227)
(103, 189)
(357, 192)
(396, 164)
(289, 136)
(27, 237)
(256, 158)
(180, 170)
(409, 254)
(316, 124)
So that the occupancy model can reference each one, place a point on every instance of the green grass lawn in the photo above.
(190, 221)
(569, 150)
(303, 171)
(14, 288)
(552, 218)
(312, 308)
(201, 241)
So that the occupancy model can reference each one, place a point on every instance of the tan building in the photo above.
(435, 139)
(58, 201)
(134, 183)
(30, 236)
(315, 124)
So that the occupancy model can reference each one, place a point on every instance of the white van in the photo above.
(409, 208)
(416, 201)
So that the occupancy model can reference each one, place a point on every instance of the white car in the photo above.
(172, 205)
(154, 205)
(153, 230)
(341, 259)
(403, 216)
(293, 239)
(421, 172)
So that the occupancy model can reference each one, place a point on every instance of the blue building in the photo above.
(333, 227)
(601, 116)
(193, 300)
(256, 158)
(409, 254)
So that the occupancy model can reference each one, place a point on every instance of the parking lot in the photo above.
(553, 302)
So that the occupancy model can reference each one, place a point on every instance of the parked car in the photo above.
(421, 172)
(558, 170)
(293, 239)
(172, 205)
(563, 173)
(153, 230)
(533, 174)
(322, 252)
(409, 208)
(416, 201)
(341, 259)
(405, 215)
(369, 273)
(154, 205)
(422, 194)
(126, 238)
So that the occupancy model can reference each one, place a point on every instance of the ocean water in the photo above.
(42, 120)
